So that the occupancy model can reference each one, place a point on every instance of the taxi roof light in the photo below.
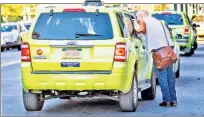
(74, 10)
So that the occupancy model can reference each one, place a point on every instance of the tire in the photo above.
(2, 49)
(19, 48)
(128, 102)
(195, 45)
(31, 101)
(7, 48)
(150, 93)
(190, 53)
(177, 74)
(195, 40)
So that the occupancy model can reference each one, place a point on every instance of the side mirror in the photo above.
(194, 25)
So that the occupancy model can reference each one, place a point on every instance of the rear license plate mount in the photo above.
(71, 53)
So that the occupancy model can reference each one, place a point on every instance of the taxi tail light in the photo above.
(120, 53)
(25, 52)
(186, 31)
(74, 10)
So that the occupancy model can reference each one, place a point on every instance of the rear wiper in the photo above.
(171, 23)
(85, 34)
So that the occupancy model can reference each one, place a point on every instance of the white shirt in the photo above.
(155, 35)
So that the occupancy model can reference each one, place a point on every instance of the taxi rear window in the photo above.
(170, 19)
(73, 26)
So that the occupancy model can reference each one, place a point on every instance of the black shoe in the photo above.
(165, 104)
(173, 103)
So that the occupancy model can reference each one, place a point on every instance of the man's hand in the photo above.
(136, 26)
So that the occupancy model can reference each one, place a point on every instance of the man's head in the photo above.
(141, 15)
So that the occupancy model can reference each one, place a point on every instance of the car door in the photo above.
(142, 56)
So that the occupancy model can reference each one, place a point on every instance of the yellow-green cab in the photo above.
(182, 29)
(85, 51)
(198, 21)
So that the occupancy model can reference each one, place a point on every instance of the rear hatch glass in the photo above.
(69, 26)
(170, 19)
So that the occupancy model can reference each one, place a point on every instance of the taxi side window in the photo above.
(121, 23)
(134, 34)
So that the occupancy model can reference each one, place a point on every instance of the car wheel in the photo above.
(177, 74)
(128, 102)
(195, 45)
(32, 102)
(190, 53)
(7, 48)
(19, 48)
(2, 49)
(20, 45)
(150, 93)
(192, 50)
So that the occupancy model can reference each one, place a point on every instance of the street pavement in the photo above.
(190, 93)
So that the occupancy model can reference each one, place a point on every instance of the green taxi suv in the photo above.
(182, 29)
(85, 52)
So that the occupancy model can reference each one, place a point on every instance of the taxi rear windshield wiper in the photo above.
(85, 34)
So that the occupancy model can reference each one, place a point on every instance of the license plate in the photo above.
(71, 53)
(178, 36)
(70, 64)
(93, 4)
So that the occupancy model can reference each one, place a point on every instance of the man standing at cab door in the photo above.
(153, 33)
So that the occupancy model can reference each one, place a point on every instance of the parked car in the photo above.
(176, 65)
(95, 59)
(182, 28)
(11, 34)
(198, 21)
(93, 3)
(3, 45)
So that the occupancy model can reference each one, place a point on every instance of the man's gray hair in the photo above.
(143, 12)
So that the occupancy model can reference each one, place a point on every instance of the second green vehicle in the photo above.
(182, 29)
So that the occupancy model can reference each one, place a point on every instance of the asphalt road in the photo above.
(190, 93)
